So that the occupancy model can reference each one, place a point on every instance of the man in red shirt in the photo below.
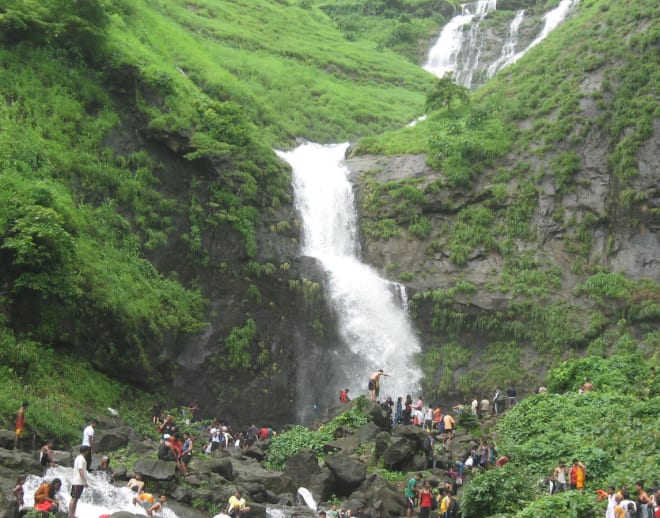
(20, 423)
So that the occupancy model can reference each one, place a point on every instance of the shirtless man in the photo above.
(46, 455)
(20, 424)
(374, 383)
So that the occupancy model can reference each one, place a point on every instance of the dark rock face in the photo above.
(349, 473)
(116, 438)
(156, 469)
(222, 466)
(302, 466)
(399, 452)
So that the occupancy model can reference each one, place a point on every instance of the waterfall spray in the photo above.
(373, 323)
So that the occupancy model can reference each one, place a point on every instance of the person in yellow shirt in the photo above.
(236, 507)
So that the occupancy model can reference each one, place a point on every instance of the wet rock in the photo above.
(349, 472)
(156, 469)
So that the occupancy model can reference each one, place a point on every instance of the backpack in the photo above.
(500, 397)
(426, 445)
(454, 510)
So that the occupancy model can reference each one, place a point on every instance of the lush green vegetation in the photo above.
(482, 204)
(89, 86)
(290, 442)
(63, 392)
(610, 430)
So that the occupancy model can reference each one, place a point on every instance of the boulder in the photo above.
(349, 472)
(7, 439)
(249, 470)
(321, 484)
(220, 465)
(183, 511)
(346, 445)
(387, 500)
(378, 416)
(383, 441)
(254, 452)
(256, 491)
(401, 450)
(155, 469)
(115, 438)
(301, 466)
(367, 432)
(20, 461)
(144, 447)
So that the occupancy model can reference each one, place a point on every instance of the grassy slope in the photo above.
(76, 218)
(520, 129)
(293, 73)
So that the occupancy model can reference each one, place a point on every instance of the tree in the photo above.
(446, 89)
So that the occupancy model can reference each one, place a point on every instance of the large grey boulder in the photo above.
(321, 484)
(349, 472)
(220, 465)
(20, 461)
(383, 441)
(112, 440)
(248, 470)
(400, 451)
(367, 432)
(385, 499)
(345, 445)
(302, 466)
(7, 439)
(155, 469)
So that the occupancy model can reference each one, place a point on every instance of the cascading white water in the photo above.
(372, 322)
(551, 19)
(450, 52)
(101, 497)
(509, 47)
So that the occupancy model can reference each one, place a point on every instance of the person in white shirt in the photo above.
(79, 480)
(88, 440)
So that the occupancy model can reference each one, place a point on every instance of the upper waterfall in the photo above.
(455, 53)
(464, 49)
(551, 21)
(373, 322)
(509, 47)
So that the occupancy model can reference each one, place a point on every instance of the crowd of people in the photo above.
(440, 426)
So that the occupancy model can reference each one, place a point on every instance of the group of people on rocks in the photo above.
(420, 495)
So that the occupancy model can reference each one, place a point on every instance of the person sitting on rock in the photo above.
(236, 508)
(46, 455)
(45, 496)
(166, 449)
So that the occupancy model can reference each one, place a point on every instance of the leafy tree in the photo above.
(445, 91)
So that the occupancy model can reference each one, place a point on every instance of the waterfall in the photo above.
(373, 325)
(509, 47)
(101, 497)
(453, 51)
(304, 496)
(551, 20)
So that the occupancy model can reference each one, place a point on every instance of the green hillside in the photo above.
(82, 210)
(135, 133)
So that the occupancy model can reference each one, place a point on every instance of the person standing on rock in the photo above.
(374, 383)
(79, 481)
(88, 440)
(411, 494)
(20, 424)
